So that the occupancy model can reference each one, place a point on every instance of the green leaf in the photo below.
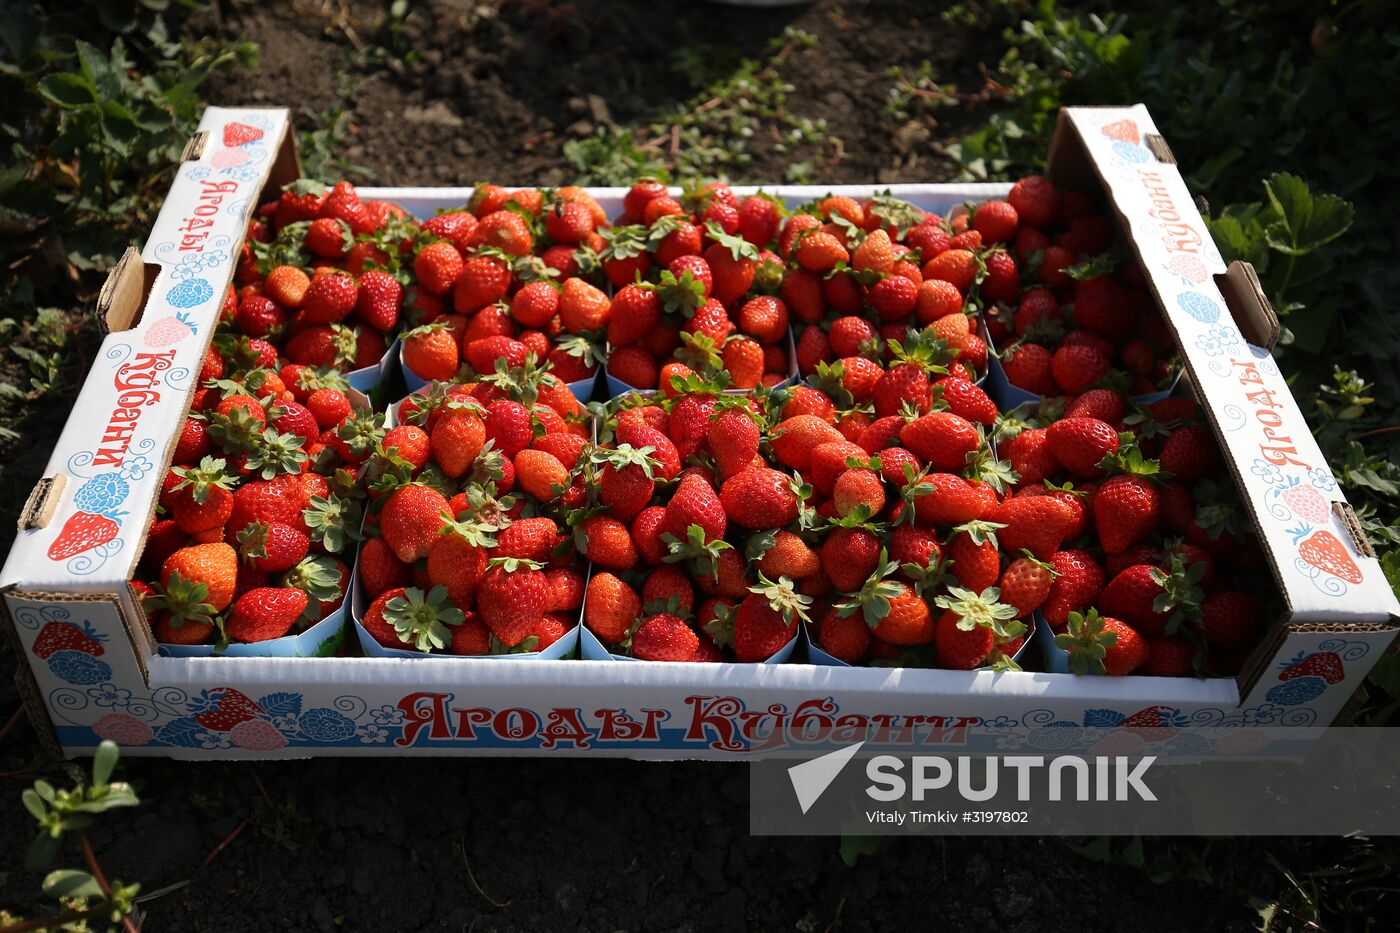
(68, 90)
(1307, 221)
(69, 882)
(41, 852)
(103, 762)
(97, 68)
(33, 804)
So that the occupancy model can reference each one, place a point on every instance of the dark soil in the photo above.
(494, 92)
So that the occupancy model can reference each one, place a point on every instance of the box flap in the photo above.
(161, 308)
(1326, 572)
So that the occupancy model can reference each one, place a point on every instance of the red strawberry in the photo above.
(695, 503)
(1036, 200)
(759, 498)
(1229, 619)
(767, 619)
(610, 607)
(972, 551)
(941, 439)
(411, 519)
(1033, 523)
(1079, 444)
(966, 399)
(606, 542)
(1125, 511)
(83, 531)
(265, 613)
(1078, 581)
(66, 636)
(849, 556)
(1028, 366)
(1025, 584)
(967, 631)
(1076, 367)
(1099, 645)
(225, 708)
(846, 638)
(511, 598)
(1189, 453)
(1324, 664)
(664, 637)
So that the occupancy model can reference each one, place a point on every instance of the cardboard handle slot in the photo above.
(1159, 149)
(42, 502)
(123, 296)
(1352, 524)
(1249, 306)
(194, 148)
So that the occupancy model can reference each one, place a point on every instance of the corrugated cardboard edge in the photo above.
(1249, 306)
(29, 694)
(42, 503)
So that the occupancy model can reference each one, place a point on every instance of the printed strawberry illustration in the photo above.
(224, 708)
(1324, 664)
(169, 331)
(82, 532)
(238, 134)
(1151, 716)
(1325, 552)
(1305, 501)
(1122, 130)
(65, 636)
(228, 158)
(1189, 267)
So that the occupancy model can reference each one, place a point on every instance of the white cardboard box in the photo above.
(1341, 613)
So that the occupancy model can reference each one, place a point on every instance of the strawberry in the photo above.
(1030, 456)
(511, 598)
(845, 638)
(893, 298)
(265, 613)
(378, 301)
(1168, 656)
(733, 438)
(1189, 453)
(996, 221)
(759, 498)
(946, 499)
(766, 619)
(204, 499)
(669, 588)
(456, 441)
(1229, 619)
(794, 439)
(1101, 645)
(1036, 201)
(859, 489)
(1002, 279)
(973, 554)
(583, 307)
(1134, 596)
(941, 439)
(895, 613)
(610, 607)
(1079, 444)
(664, 637)
(1025, 584)
(1102, 307)
(431, 352)
(849, 556)
(328, 237)
(1077, 367)
(1125, 511)
(606, 542)
(1032, 523)
(411, 520)
(786, 556)
(329, 299)
(695, 503)
(967, 631)
(1028, 366)
(271, 548)
(634, 312)
(457, 559)
(955, 266)
(1078, 582)
(481, 281)
(819, 252)
(875, 254)
(1105, 405)
(966, 399)
(380, 568)
(626, 483)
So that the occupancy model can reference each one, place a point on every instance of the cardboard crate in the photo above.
(1341, 614)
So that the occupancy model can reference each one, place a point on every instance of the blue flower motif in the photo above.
(78, 668)
(1260, 715)
(373, 734)
(1322, 478)
(1219, 340)
(204, 702)
(110, 696)
(244, 172)
(213, 740)
(1266, 471)
(387, 715)
(101, 494)
(135, 468)
(286, 723)
(195, 264)
(326, 725)
(197, 171)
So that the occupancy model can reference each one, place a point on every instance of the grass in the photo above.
(100, 106)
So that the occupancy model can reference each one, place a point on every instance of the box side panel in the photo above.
(87, 675)
(1326, 573)
(288, 707)
(1316, 670)
(124, 422)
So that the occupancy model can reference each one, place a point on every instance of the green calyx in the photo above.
(476, 533)
(681, 295)
(701, 354)
(625, 455)
(252, 540)
(1181, 593)
(782, 597)
(421, 619)
(362, 431)
(514, 564)
(236, 432)
(1087, 641)
(275, 453)
(1128, 460)
(873, 598)
(695, 547)
(982, 609)
(319, 577)
(698, 384)
(721, 627)
(210, 474)
(185, 600)
(334, 521)
(980, 531)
